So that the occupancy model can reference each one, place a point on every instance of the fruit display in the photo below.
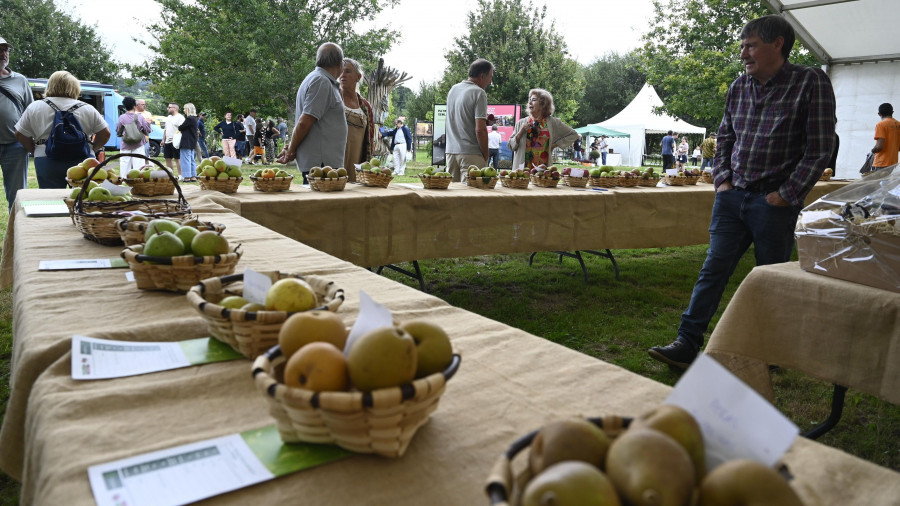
(658, 460)
(214, 173)
(434, 179)
(371, 173)
(133, 228)
(327, 179)
(548, 177)
(683, 177)
(143, 183)
(514, 178)
(484, 178)
(76, 174)
(579, 181)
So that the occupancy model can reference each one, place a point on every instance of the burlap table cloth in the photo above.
(405, 222)
(834, 330)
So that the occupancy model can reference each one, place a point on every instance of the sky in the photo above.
(591, 28)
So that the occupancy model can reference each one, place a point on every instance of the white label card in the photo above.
(671, 172)
(115, 189)
(256, 286)
(159, 174)
(736, 421)
(372, 315)
(80, 264)
(233, 161)
(579, 173)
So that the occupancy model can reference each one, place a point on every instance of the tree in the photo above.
(512, 35)
(46, 40)
(691, 54)
(421, 105)
(610, 83)
(224, 55)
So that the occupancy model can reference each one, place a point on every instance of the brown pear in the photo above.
(746, 483)
(568, 439)
(571, 483)
(675, 422)
(649, 468)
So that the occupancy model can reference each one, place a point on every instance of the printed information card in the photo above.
(82, 264)
(94, 358)
(196, 471)
(44, 208)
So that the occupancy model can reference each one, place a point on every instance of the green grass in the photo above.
(614, 321)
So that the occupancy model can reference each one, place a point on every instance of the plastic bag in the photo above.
(854, 233)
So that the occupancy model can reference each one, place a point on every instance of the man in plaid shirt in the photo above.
(775, 139)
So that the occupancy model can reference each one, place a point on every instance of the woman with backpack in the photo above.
(132, 128)
(58, 130)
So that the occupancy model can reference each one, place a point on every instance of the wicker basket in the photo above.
(691, 180)
(629, 182)
(376, 179)
(519, 183)
(272, 184)
(97, 220)
(78, 184)
(505, 488)
(229, 185)
(483, 183)
(177, 274)
(706, 177)
(544, 182)
(604, 182)
(133, 232)
(382, 422)
(575, 182)
(674, 180)
(324, 184)
(152, 187)
(435, 182)
(650, 182)
(251, 332)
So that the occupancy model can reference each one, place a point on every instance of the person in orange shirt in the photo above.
(887, 138)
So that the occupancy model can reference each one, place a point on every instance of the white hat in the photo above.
(3, 41)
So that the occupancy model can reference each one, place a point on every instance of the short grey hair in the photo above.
(545, 99)
(356, 67)
(329, 55)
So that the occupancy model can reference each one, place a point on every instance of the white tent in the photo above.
(638, 119)
(856, 41)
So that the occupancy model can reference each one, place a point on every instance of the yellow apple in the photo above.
(382, 358)
(432, 346)
(291, 295)
(311, 326)
(76, 173)
(233, 302)
(317, 366)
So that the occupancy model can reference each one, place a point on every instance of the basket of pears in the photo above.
(133, 229)
(175, 257)
(271, 180)
(95, 209)
(150, 182)
(369, 394)
(484, 178)
(327, 179)
(434, 179)
(514, 178)
(371, 173)
(656, 459)
(214, 174)
(76, 174)
(251, 328)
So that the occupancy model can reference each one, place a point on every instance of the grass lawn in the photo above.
(614, 321)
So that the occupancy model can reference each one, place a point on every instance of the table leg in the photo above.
(415, 275)
(837, 409)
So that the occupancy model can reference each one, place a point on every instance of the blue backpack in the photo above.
(67, 139)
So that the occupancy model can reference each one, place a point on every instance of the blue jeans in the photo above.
(52, 173)
(202, 147)
(706, 162)
(603, 155)
(14, 164)
(188, 163)
(739, 218)
(494, 158)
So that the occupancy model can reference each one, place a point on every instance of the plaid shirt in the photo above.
(777, 136)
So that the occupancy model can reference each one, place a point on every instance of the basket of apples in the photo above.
(252, 328)
(514, 178)
(270, 180)
(434, 179)
(601, 177)
(658, 458)
(134, 229)
(371, 173)
(576, 178)
(706, 177)
(648, 177)
(370, 395)
(214, 174)
(327, 179)
(629, 178)
(176, 257)
(692, 176)
(545, 177)
(485, 178)
(76, 174)
(96, 209)
(148, 181)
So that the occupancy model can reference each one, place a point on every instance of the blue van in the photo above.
(106, 100)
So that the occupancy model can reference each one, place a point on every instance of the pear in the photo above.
(382, 358)
(186, 234)
(569, 439)
(746, 483)
(223, 176)
(572, 483)
(233, 302)
(679, 425)
(164, 244)
(161, 225)
(649, 468)
(209, 243)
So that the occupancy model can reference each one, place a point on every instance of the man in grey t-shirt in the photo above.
(14, 98)
(467, 136)
(320, 135)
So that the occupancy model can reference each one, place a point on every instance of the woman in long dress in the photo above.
(360, 120)
(540, 133)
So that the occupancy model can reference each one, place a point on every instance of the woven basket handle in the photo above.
(79, 206)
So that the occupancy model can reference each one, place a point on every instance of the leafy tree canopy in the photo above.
(691, 54)
(225, 55)
(46, 39)
(511, 34)
(421, 105)
(610, 83)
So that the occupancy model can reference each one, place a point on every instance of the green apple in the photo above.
(99, 194)
(489, 172)
(164, 244)
(161, 225)
(474, 172)
(100, 175)
(365, 166)
(146, 174)
(342, 172)
(210, 171)
(220, 165)
(234, 171)
(258, 173)
(233, 302)
(375, 162)
(209, 243)
(133, 174)
(382, 358)
(282, 173)
(429, 171)
(74, 194)
(76, 173)
(186, 234)
(222, 175)
(316, 172)
(332, 174)
(432, 346)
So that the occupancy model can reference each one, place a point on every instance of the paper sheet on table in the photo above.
(736, 421)
(372, 315)
(44, 208)
(81, 264)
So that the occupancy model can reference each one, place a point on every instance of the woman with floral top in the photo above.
(537, 135)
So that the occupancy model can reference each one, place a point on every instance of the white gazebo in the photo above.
(638, 119)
